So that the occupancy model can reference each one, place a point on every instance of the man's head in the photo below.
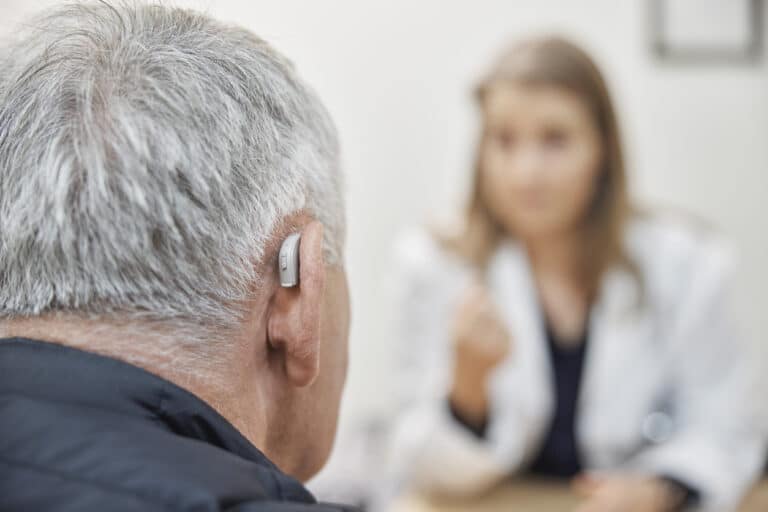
(152, 160)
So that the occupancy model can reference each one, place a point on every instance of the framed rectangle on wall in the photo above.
(707, 31)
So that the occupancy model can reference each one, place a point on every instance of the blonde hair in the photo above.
(556, 62)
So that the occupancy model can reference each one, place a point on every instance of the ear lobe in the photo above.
(294, 319)
(302, 369)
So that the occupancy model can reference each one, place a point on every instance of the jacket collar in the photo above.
(67, 375)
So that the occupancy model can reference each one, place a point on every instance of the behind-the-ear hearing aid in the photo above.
(288, 261)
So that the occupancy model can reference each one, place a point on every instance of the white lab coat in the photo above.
(669, 389)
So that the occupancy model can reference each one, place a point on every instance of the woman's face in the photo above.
(540, 158)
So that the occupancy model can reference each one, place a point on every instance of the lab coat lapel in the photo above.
(528, 370)
(619, 349)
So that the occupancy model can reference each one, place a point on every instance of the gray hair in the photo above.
(147, 153)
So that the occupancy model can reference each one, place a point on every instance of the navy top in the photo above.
(559, 453)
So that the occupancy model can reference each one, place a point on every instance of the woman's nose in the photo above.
(528, 165)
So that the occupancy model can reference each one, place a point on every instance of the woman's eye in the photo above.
(555, 139)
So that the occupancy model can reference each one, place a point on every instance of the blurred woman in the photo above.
(559, 332)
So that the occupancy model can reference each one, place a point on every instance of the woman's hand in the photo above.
(481, 342)
(626, 494)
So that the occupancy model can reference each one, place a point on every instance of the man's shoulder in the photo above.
(56, 456)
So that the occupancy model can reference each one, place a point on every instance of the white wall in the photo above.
(396, 76)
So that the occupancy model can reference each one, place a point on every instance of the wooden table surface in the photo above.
(538, 496)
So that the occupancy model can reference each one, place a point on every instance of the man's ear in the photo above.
(293, 324)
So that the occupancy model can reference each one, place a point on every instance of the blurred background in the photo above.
(690, 89)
